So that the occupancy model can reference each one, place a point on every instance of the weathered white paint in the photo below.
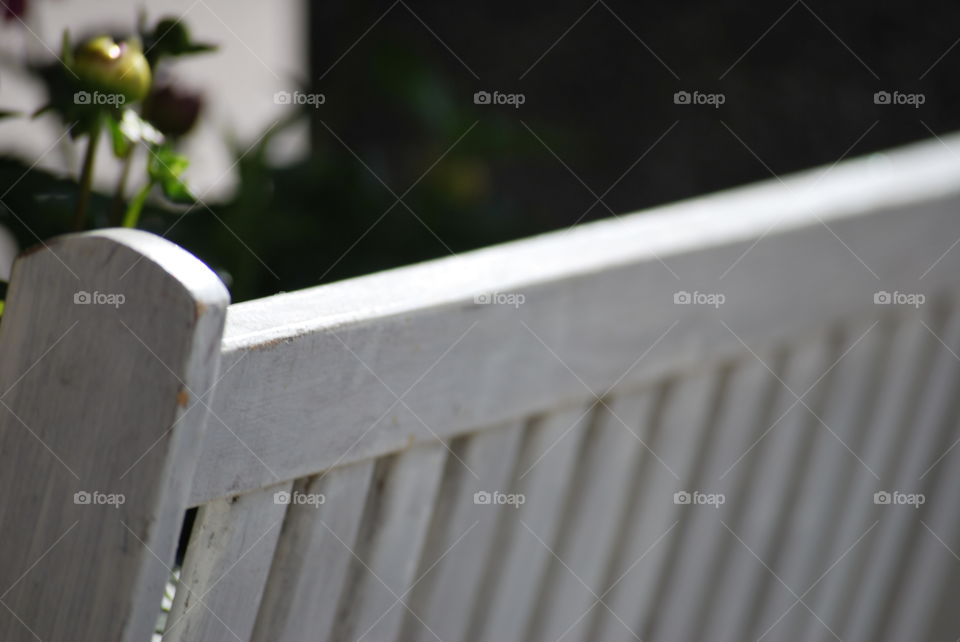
(772, 467)
(314, 556)
(389, 544)
(100, 398)
(299, 399)
(591, 520)
(398, 397)
(228, 558)
(463, 533)
(929, 433)
(522, 554)
(903, 377)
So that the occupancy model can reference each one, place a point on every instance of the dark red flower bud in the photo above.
(173, 111)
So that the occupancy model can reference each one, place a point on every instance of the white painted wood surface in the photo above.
(228, 558)
(650, 523)
(690, 587)
(928, 435)
(792, 257)
(313, 557)
(101, 403)
(390, 544)
(463, 533)
(809, 532)
(509, 594)
(904, 376)
(772, 467)
(582, 548)
(398, 397)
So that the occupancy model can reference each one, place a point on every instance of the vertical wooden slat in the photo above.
(690, 588)
(667, 468)
(903, 377)
(810, 522)
(101, 396)
(389, 544)
(226, 566)
(313, 556)
(774, 463)
(462, 533)
(927, 433)
(509, 589)
(601, 489)
(934, 555)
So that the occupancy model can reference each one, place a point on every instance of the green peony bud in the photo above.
(113, 67)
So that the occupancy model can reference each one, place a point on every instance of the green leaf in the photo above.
(165, 168)
(172, 38)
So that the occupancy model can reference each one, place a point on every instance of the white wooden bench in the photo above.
(496, 446)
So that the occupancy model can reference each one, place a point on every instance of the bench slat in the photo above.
(225, 569)
(744, 409)
(390, 543)
(809, 530)
(677, 435)
(771, 468)
(904, 374)
(463, 533)
(930, 433)
(509, 592)
(601, 488)
(313, 557)
(789, 258)
(110, 342)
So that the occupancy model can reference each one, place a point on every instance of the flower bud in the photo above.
(113, 67)
(173, 111)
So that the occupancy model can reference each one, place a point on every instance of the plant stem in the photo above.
(86, 177)
(116, 210)
(132, 217)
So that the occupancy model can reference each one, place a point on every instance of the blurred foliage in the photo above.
(324, 216)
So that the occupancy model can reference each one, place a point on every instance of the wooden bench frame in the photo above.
(171, 398)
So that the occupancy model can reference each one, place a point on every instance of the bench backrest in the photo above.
(680, 424)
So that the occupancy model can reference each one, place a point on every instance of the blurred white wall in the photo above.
(262, 51)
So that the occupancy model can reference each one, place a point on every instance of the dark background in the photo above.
(598, 120)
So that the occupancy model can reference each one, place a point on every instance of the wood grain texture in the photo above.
(521, 552)
(787, 257)
(100, 404)
(313, 557)
(690, 586)
(463, 533)
(929, 433)
(225, 569)
(389, 544)
(773, 465)
(810, 535)
(902, 379)
(601, 488)
(652, 518)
